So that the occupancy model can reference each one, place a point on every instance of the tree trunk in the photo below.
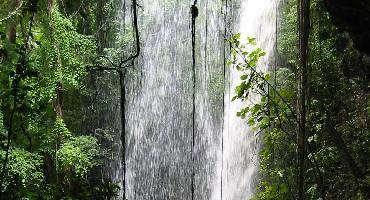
(50, 6)
(303, 29)
(12, 26)
(122, 74)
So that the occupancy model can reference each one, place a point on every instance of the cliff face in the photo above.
(352, 16)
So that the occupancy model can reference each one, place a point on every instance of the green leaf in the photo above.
(267, 77)
(252, 41)
(244, 77)
(237, 36)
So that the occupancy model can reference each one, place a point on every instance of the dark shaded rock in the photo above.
(352, 16)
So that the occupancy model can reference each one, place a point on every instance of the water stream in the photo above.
(241, 144)
(159, 103)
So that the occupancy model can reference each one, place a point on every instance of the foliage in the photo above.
(107, 189)
(24, 170)
(337, 121)
(79, 155)
(42, 80)
(268, 112)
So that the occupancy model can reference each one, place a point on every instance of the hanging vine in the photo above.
(225, 5)
(121, 69)
(194, 14)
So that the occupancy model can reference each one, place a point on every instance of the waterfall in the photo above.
(159, 103)
(239, 161)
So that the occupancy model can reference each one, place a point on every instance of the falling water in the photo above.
(241, 144)
(159, 103)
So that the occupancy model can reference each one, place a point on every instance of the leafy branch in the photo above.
(17, 9)
(255, 81)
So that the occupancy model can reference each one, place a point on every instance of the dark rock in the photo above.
(352, 16)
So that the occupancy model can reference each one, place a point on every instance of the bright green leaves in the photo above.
(49, 53)
(252, 41)
(273, 185)
(79, 154)
(276, 191)
(76, 153)
(235, 39)
(267, 77)
(60, 129)
(243, 112)
(24, 168)
(244, 55)
(53, 137)
(244, 77)
(245, 58)
(240, 89)
(254, 56)
(61, 57)
(269, 107)
(2, 128)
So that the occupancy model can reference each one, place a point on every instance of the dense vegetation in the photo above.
(46, 51)
(337, 121)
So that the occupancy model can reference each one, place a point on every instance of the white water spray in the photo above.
(159, 105)
(240, 160)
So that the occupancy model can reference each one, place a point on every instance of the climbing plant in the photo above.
(334, 167)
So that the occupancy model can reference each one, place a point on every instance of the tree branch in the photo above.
(13, 13)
